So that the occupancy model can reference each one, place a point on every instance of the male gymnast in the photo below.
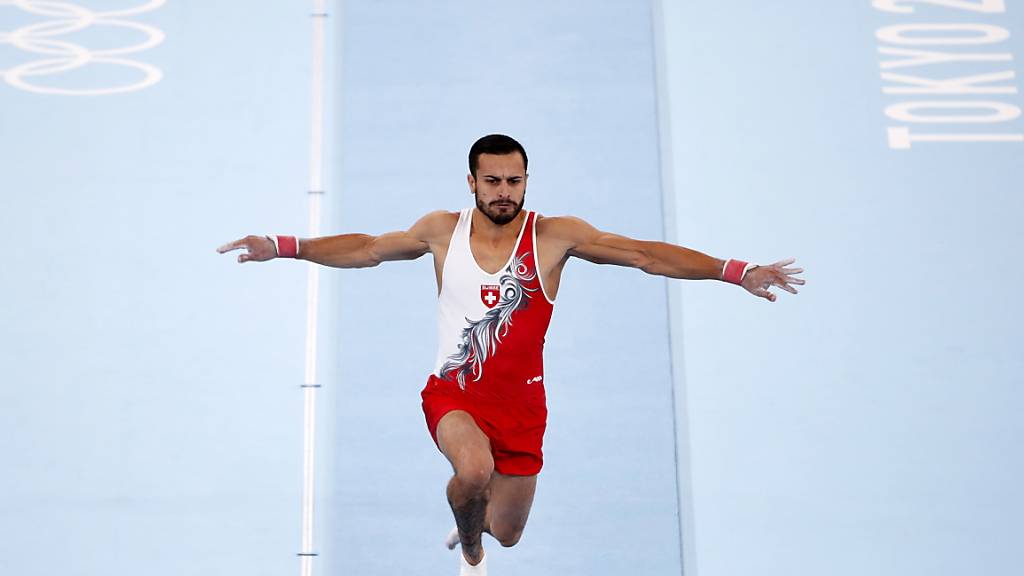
(498, 269)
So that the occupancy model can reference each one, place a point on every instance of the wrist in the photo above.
(285, 246)
(733, 271)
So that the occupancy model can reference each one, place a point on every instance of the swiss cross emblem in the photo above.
(489, 294)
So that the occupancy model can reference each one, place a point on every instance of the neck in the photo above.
(488, 230)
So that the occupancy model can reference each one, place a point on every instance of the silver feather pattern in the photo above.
(480, 338)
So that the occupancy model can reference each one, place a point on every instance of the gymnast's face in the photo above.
(499, 186)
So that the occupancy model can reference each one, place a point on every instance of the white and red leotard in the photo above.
(490, 360)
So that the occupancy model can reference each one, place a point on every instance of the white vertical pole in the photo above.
(315, 195)
(680, 401)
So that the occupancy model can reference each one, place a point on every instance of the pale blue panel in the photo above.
(150, 417)
(869, 425)
(574, 82)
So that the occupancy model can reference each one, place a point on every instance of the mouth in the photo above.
(504, 204)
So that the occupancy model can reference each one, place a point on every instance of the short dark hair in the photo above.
(494, 144)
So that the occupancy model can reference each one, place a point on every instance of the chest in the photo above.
(491, 256)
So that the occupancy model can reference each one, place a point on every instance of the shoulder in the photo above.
(435, 225)
(439, 218)
(568, 228)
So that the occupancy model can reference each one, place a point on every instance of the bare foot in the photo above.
(453, 539)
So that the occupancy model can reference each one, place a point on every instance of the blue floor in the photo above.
(582, 101)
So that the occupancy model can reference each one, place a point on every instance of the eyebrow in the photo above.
(496, 177)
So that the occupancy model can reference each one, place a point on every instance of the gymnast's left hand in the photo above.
(759, 279)
(258, 249)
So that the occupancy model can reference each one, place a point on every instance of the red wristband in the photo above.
(287, 246)
(734, 271)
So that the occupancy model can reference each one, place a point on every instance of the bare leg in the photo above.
(508, 508)
(469, 452)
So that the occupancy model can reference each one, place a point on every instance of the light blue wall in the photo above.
(150, 419)
(869, 425)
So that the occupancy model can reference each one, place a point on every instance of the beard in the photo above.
(498, 215)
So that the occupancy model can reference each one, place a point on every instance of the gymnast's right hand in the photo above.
(258, 249)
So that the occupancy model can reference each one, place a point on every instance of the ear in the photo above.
(472, 183)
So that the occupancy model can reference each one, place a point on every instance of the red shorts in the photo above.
(515, 428)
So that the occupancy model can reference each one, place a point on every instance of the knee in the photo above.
(508, 538)
(474, 477)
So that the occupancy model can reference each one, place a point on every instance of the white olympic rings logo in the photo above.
(69, 18)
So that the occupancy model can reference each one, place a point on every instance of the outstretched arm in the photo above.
(582, 240)
(351, 250)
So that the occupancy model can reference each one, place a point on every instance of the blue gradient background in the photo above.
(150, 414)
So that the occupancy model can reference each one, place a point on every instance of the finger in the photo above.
(790, 278)
(787, 288)
(797, 281)
(765, 294)
(785, 262)
(244, 258)
(791, 270)
(232, 246)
